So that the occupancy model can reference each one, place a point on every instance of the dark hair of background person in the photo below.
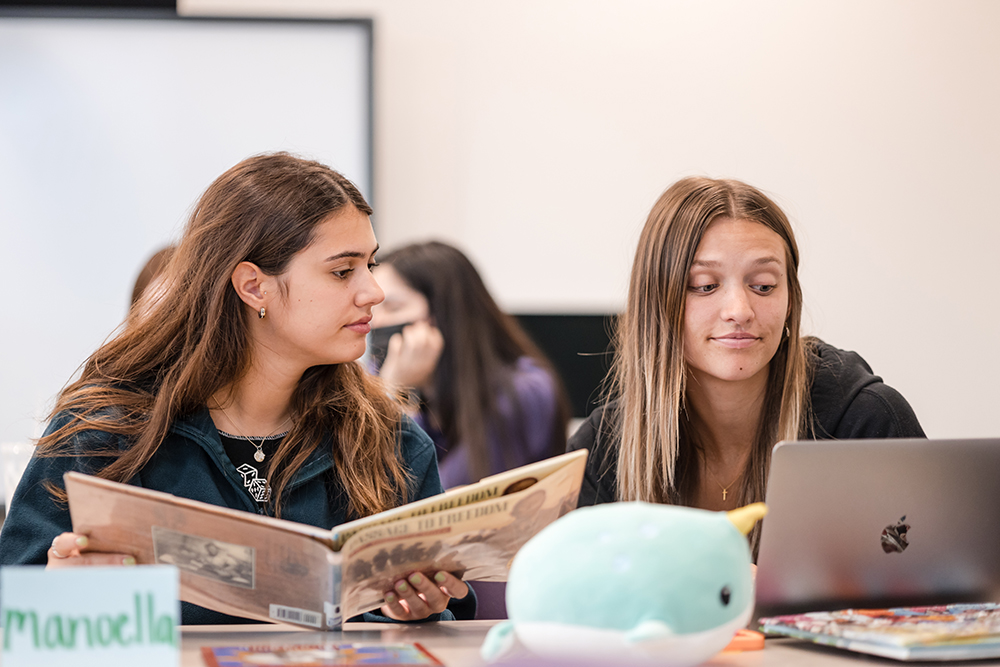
(481, 350)
(194, 340)
(150, 271)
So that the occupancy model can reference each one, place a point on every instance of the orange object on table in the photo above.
(746, 640)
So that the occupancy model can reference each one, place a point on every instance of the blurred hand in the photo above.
(413, 355)
(70, 550)
(419, 595)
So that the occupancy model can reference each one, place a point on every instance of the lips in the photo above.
(362, 326)
(736, 341)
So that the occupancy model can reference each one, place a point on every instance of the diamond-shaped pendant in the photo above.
(258, 456)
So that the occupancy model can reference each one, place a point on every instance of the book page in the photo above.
(231, 561)
(487, 488)
(476, 541)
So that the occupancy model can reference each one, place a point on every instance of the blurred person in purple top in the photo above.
(483, 391)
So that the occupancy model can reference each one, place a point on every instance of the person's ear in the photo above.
(251, 284)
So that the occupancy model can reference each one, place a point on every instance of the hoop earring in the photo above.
(788, 334)
(263, 312)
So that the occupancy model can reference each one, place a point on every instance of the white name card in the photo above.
(90, 616)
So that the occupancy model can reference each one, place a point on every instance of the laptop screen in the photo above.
(878, 523)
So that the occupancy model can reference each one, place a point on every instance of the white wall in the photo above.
(537, 133)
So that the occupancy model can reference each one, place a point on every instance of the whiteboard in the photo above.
(110, 129)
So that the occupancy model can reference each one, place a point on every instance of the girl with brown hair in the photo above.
(710, 369)
(237, 385)
(488, 396)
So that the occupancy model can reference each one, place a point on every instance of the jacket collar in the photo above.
(199, 428)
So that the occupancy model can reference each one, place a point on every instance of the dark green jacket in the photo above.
(192, 463)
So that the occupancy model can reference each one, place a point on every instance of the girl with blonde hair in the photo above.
(711, 370)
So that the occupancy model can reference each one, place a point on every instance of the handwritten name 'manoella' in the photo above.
(139, 626)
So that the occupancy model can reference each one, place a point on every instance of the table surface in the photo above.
(456, 644)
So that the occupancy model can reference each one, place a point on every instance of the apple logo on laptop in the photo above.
(894, 536)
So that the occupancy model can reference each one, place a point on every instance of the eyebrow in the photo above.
(712, 264)
(351, 254)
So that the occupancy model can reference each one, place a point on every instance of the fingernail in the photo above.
(390, 597)
(402, 587)
(415, 579)
(128, 560)
(82, 541)
(439, 577)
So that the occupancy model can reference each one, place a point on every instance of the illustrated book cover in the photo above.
(945, 632)
(269, 569)
(319, 655)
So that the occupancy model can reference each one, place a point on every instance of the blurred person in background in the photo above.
(483, 390)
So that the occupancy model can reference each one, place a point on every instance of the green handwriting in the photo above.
(139, 626)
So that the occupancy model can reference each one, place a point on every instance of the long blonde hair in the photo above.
(657, 462)
(192, 339)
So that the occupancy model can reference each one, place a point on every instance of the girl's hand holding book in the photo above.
(70, 550)
(418, 596)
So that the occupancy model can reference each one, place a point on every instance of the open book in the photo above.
(945, 632)
(269, 569)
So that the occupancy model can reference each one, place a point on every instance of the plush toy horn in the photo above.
(744, 518)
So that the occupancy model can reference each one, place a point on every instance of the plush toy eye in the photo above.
(724, 596)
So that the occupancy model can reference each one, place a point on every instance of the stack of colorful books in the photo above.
(947, 632)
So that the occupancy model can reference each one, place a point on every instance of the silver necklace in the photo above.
(259, 454)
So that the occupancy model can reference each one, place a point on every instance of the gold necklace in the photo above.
(259, 454)
(725, 489)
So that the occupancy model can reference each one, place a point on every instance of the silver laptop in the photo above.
(879, 523)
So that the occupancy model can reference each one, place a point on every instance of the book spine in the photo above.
(334, 617)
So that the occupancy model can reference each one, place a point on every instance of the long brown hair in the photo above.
(151, 270)
(657, 461)
(192, 339)
(482, 346)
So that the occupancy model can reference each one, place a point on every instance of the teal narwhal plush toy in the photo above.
(630, 582)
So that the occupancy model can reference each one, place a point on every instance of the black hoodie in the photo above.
(848, 402)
